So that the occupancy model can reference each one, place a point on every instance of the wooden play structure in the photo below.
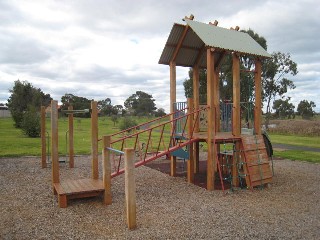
(236, 156)
(204, 46)
(80, 188)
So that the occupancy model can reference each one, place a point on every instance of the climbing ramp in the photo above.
(256, 167)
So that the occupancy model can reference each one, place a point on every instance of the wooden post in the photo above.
(211, 162)
(196, 102)
(196, 99)
(173, 96)
(54, 142)
(94, 139)
(71, 146)
(190, 163)
(236, 121)
(43, 138)
(130, 187)
(106, 175)
(216, 91)
(257, 108)
(236, 129)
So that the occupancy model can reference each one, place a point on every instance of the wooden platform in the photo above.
(80, 188)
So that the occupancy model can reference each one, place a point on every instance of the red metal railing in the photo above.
(154, 141)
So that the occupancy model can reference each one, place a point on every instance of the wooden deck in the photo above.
(80, 188)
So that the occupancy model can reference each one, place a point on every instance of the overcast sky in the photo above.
(110, 48)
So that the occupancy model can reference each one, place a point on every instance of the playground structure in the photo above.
(235, 155)
(70, 189)
(199, 45)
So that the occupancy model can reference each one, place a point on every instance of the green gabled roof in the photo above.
(226, 39)
(198, 36)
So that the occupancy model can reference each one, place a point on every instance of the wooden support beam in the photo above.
(236, 125)
(190, 163)
(220, 60)
(216, 90)
(173, 99)
(71, 146)
(198, 58)
(94, 139)
(196, 95)
(176, 51)
(258, 100)
(106, 174)
(43, 138)
(130, 187)
(236, 121)
(54, 142)
(211, 162)
(196, 158)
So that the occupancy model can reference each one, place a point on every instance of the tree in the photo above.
(283, 108)
(275, 83)
(114, 119)
(305, 109)
(78, 103)
(23, 94)
(31, 122)
(160, 112)
(140, 103)
(106, 107)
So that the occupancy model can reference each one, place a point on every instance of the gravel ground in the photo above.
(167, 207)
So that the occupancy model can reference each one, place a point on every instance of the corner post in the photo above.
(173, 96)
(196, 103)
(106, 175)
(94, 139)
(43, 138)
(236, 121)
(71, 146)
(257, 108)
(190, 166)
(54, 142)
(130, 187)
(212, 155)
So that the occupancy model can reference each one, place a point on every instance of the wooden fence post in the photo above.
(94, 139)
(130, 187)
(43, 138)
(71, 147)
(54, 142)
(106, 175)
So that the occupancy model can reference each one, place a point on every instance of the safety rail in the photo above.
(146, 124)
(154, 142)
(246, 112)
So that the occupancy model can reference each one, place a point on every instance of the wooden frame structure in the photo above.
(199, 45)
(80, 188)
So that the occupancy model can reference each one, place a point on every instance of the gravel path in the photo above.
(168, 208)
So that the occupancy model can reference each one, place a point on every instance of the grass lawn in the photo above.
(14, 143)
(309, 156)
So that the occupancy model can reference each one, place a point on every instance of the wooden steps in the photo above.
(80, 188)
(257, 166)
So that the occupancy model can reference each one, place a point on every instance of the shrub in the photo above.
(31, 122)
(126, 123)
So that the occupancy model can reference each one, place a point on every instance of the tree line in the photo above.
(25, 101)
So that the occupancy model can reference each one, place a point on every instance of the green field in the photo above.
(14, 143)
